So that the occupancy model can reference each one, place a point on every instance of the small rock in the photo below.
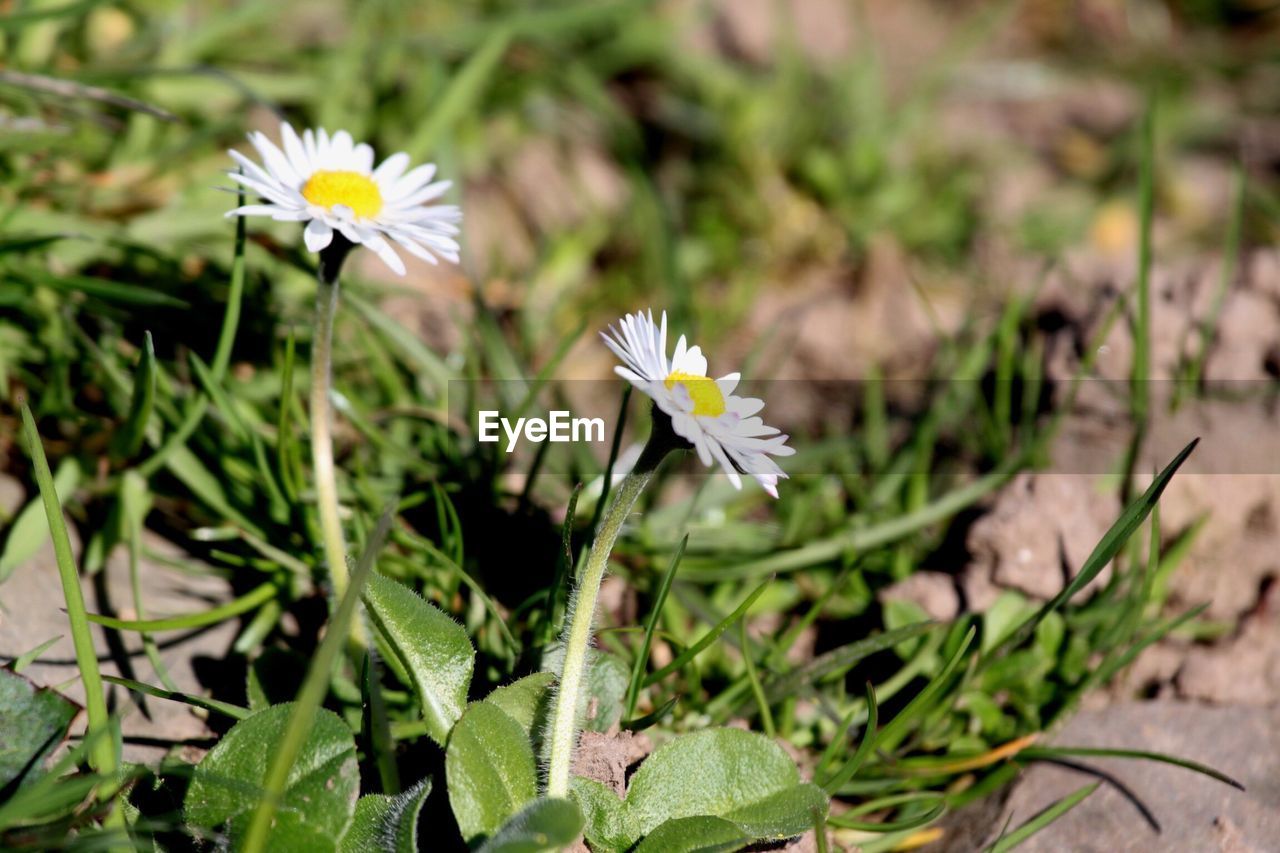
(1037, 521)
(1244, 670)
(934, 592)
(1195, 813)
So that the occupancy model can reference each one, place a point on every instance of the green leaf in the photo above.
(785, 814)
(739, 775)
(899, 613)
(607, 683)
(31, 528)
(430, 646)
(490, 769)
(128, 441)
(607, 823)
(1002, 618)
(545, 824)
(319, 798)
(702, 834)
(385, 824)
(524, 700)
(35, 722)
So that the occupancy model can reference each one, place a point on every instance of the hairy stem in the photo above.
(577, 637)
(326, 485)
(577, 634)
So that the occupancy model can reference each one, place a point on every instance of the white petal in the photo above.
(430, 192)
(415, 249)
(411, 182)
(255, 210)
(342, 146)
(718, 452)
(390, 171)
(251, 168)
(272, 191)
(363, 158)
(384, 251)
(275, 161)
(743, 407)
(695, 362)
(295, 151)
(317, 235)
(728, 382)
(688, 429)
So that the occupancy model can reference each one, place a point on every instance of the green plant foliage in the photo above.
(604, 693)
(431, 647)
(35, 722)
(319, 798)
(737, 775)
(607, 823)
(603, 161)
(524, 700)
(701, 834)
(30, 530)
(543, 825)
(383, 824)
(490, 769)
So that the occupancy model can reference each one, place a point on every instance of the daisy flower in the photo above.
(329, 182)
(705, 412)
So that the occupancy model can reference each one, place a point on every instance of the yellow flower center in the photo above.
(356, 191)
(705, 393)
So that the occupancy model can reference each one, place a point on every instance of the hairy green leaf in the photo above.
(607, 823)
(430, 646)
(490, 769)
(702, 834)
(385, 824)
(35, 720)
(739, 775)
(545, 824)
(319, 798)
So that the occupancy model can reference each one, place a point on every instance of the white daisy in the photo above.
(330, 183)
(703, 411)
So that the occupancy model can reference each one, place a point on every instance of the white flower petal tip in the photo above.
(332, 183)
(720, 425)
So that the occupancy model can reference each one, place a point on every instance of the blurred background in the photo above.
(966, 195)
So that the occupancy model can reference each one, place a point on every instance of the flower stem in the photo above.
(335, 545)
(577, 634)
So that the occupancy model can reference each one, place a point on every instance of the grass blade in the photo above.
(1041, 820)
(1051, 752)
(708, 638)
(103, 756)
(841, 659)
(235, 712)
(864, 748)
(642, 656)
(134, 430)
(1110, 544)
(312, 692)
(243, 604)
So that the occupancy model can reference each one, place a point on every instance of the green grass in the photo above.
(163, 354)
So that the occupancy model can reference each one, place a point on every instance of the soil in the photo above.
(31, 611)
